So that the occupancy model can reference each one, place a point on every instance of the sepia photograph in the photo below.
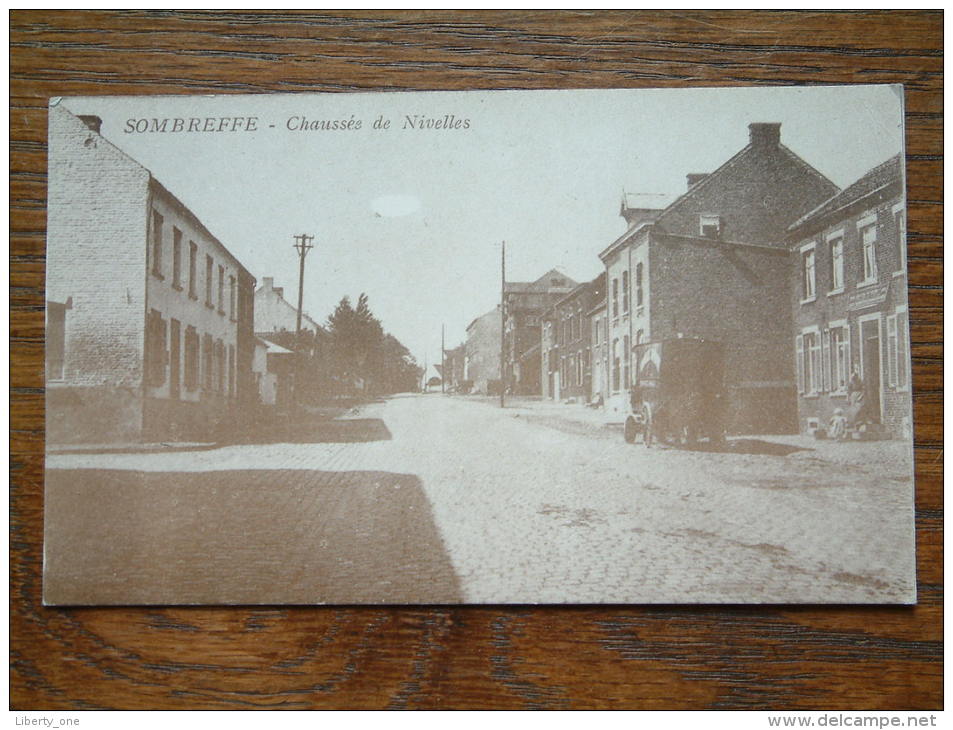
(483, 347)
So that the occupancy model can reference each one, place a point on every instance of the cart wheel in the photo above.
(631, 430)
(647, 426)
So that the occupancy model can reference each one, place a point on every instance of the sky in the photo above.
(415, 217)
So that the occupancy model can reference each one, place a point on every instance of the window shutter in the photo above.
(892, 350)
(826, 361)
(903, 381)
(799, 346)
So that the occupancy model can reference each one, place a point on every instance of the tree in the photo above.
(362, 356)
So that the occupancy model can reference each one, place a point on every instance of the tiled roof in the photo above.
(880, 177)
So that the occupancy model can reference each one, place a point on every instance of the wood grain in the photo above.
(469, 657)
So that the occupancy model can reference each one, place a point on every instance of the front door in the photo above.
(870, 341)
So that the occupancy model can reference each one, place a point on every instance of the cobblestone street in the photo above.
(458, 500)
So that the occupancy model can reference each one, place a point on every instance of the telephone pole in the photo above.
(443, 362)
(302, 245)
(502, 325)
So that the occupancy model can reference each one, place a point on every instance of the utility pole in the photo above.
(302, 245)
(443, 362)
(503, 325)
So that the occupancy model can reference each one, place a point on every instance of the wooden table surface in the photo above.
(469, 657)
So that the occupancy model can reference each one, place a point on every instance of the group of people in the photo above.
(858, 408)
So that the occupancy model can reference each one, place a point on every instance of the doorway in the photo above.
(870, 363)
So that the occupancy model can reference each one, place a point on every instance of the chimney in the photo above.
(694, 178)
(766, 134)
(91, 121)
(268, 282)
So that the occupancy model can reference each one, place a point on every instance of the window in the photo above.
(156, 245)
(191, 358)
(897, 375)
(176, 258)
(208, 281)
(900, 220)
(638, 285)
(231, 298)
(55, 340)
(639, 336)
(710, 226)
(232, 385)
(836, 250)
(839, 336)
(808, 281)
(809, 371)
(627, 358)
(615, 364)
(615, 298)
(868, 236)
(156, 354)
(207, 345)
(219, 384)
(625, 291)
(193, 257)
(571, 371)
(221, 290)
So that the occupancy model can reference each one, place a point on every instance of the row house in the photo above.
(525, 303)
(850, 304)
(288, 353)
(481, 365)
(598, 325)
(566, 343)
(714, 264)
(452, 369)
(149, 316)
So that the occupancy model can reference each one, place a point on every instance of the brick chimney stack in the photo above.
(694, 178)
(767, 134)
(92, 121)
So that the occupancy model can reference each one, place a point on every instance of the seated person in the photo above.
(838, 426)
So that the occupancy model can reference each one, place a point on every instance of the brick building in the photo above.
(566, 343)
(849, 296)
(149, 316)
(482, 353)
(599, 349)
(526, 303)
(714, 264)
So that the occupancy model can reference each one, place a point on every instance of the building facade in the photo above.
(713, 265)
(149, 317)
(566, 342)
(849, 296)
(297, 361)
(482, 353)
(599, 347)
(525, 304)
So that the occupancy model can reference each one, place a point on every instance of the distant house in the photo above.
(526, 303)
(714, 264)
(276, 322)
(149, 315)
(482, 353)
(567, 342)
(849, 296)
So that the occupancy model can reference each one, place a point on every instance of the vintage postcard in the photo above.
(608, 346)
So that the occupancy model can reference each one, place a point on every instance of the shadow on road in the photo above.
(316, 431)
(242, 537)
(744, 446)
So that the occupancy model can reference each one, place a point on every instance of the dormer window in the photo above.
(710, 226)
